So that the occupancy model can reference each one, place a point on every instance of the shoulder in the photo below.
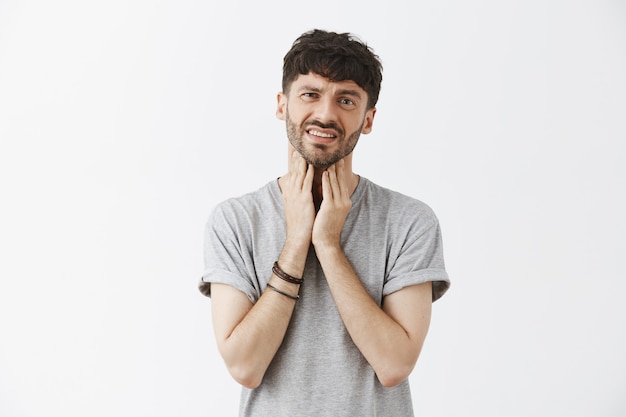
(397, 205)
(246, 204)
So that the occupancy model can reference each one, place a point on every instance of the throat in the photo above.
(317, 196)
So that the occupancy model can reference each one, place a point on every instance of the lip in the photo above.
(322, 139)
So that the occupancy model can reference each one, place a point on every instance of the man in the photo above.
(322, 282)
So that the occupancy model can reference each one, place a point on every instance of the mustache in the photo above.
(321, 125)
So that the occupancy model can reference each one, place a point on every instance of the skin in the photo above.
(316, 194)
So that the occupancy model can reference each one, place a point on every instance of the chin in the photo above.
(320, 164)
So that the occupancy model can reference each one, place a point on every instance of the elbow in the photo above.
(391, 380)
(394, 371)
(248, 382)
(245, 376)
(245, 372)
(394, 375)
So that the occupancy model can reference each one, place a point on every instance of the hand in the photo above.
(298, 200)
(336, 205)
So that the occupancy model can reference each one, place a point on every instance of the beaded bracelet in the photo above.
(284, 276)
(293, 297)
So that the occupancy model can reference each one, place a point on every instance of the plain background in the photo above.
(122, 123)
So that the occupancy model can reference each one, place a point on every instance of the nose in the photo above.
(325, 111)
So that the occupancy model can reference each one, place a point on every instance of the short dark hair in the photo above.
(336, 56)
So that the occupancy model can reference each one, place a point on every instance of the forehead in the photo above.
(312, 81)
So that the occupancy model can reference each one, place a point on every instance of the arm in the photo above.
(390, 338)
(249, 335)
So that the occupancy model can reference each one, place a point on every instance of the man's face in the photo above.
(324, 119)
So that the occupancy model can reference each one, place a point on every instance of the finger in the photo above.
(290, 168)
(334, 183)
(326, 192)
(303, 171)
(327, 189)
(307, 183)
(340, 177)
(297, 169)
(295, 162)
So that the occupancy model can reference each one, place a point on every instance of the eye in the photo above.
(309, 96)
(346, 102)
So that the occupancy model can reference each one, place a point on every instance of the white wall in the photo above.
(123, 122)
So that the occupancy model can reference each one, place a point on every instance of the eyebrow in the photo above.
(350, 93)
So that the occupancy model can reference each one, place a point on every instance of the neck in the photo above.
(317, 188)
(352, 180)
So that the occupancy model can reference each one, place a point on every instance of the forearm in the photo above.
(251, 345)
(250, 348)
(388, 347)
(255, 333)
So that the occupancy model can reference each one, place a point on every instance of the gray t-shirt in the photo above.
(391, 240)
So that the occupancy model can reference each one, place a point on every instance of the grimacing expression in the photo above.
(318, 154)
(324, 118)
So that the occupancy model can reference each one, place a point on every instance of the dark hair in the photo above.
(336, 56)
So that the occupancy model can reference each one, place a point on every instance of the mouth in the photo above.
(321, 135)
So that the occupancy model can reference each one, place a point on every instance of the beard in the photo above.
(318, 154)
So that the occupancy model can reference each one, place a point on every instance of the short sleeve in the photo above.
(226, 260)
(420, 260)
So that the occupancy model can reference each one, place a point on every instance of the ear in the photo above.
(369, 121)
(281, 106)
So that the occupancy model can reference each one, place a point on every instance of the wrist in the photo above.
(284, 288)
(294, 254)
(328, 249)
(277, 271)
(298, 243)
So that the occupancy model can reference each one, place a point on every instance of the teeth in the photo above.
(320, 134)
